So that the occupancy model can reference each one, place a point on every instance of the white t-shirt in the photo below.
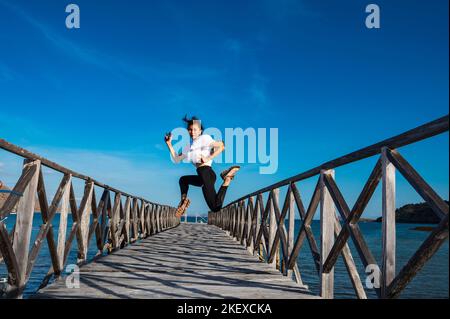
(201, 146)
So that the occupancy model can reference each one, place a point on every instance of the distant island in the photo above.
(420, 213)
(5, 195)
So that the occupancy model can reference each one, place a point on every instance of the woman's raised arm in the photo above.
(176, 158)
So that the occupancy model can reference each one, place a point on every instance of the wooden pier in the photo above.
(189, 261)
(248, 249)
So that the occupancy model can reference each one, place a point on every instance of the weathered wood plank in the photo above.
(63, 223)
(388, 224)
(9, 257)
(272, 227)
(280, 235)
(115, 221)
(84, 212)
(351, 218)
(327, 223)
(313, 204)
(437, 204)
(25, 178)
(437, 237)
(160, 267)
(46, 229)
(24, 222)
(350, 266)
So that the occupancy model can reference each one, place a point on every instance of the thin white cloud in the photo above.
(58, 41)
(153, 179)
(281, 10)
(112, 64)
(259, 95)
(258, 92)
(233, 45)
(121, 170)
(28, 128)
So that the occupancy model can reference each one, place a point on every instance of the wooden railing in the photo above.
(114, 224)
(263, 230)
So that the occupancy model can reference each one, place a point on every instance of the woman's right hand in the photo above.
(168, 138)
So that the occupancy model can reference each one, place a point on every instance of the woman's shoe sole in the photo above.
(183, 208)
(225, 172)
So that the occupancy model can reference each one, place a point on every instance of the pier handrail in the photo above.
(419, 133)
(114, 224)
(262, 228)
(45, 162)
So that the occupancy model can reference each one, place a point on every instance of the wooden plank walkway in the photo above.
(189, 261)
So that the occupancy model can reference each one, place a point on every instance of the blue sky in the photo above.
(100, 98)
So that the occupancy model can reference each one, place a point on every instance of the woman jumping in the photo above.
(201, 151)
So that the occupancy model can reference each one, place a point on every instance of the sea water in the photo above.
(430, 282)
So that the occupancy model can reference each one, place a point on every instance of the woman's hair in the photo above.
(192, 120)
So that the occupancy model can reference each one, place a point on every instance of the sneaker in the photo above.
(182, 207)
(230, 172)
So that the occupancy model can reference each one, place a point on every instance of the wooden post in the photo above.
(327, 220)
(290, 233)
(142, 219)
(84, 216)
(161, 218)
(388, 223)
(225, 220)
(166, 217)
(166, 211)
(249, 239)
(158, 219)
(243, 222)
(350, 265)
(236, 221)
(273, 226)
(158, 208)
(152, 219)
(258, 226)
(252, 226)
(134, 214)
(240, 226)
(24, 222)
(229, 220)
(63, 223)
(104, 228)
(237, 212)
(115, 221)
(148, 211)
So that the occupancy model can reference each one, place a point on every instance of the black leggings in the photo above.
(205, 178)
